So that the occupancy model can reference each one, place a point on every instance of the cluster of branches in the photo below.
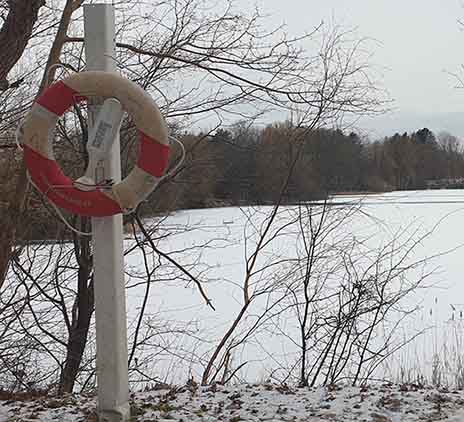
(336, 299)
(198, 59)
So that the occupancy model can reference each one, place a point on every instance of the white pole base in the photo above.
(121, 414)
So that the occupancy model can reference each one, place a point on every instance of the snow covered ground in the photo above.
(257, 403)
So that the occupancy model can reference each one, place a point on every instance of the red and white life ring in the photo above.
(47, 174)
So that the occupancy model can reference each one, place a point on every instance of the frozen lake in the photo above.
(179, 331)
(222, 266)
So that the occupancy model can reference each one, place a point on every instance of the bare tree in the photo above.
(348, 294)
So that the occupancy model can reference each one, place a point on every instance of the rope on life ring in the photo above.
(46, 174)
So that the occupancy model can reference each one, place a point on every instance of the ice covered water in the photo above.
(433, 215)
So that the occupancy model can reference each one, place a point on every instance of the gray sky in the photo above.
(419, 41)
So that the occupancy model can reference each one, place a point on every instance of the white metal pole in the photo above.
(110, 300)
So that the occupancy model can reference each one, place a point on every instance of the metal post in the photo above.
(110, 300)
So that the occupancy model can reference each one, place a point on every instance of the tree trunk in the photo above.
(81, 316)
(16, 33)
(77, 342)
(10, 224)
(207, 372)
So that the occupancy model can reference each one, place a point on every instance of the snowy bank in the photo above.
(257, 403)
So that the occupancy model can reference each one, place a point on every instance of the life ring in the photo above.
(47, 175)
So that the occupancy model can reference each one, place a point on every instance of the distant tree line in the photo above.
(244, 165)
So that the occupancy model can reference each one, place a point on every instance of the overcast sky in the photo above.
(419, 41)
